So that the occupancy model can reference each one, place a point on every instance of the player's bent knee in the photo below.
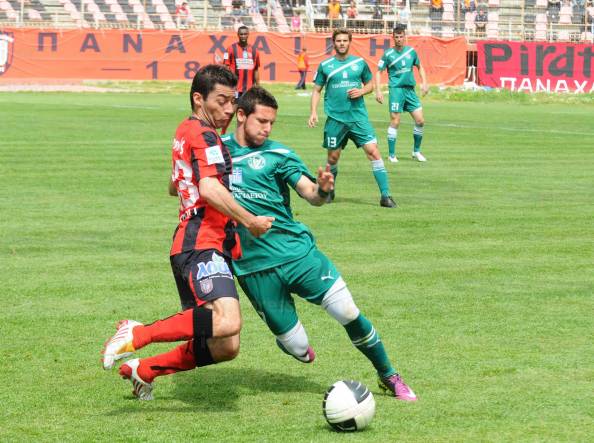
(295, 340)
(226, 317)
(224, 349)
(338, 302)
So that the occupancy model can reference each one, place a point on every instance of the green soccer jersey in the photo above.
(400, 66)
(338, 76)
(260, 183)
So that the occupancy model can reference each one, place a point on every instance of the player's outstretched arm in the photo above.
(379, 95)
(316, 193)
(221, 199)
(313, 111)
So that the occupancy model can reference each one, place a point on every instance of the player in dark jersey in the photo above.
(203, 245)
(244, 60)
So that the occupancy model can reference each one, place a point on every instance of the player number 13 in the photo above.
(331, 142)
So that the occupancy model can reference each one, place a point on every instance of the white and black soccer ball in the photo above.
(348, 406)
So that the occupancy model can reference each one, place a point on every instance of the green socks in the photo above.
(381, 176)
(365, 338)
(418, 137)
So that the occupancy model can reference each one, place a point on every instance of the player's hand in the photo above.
(379, 97)
(424, 90)
(325, 179)
(313, 120)
(355, 93)
(259, 225)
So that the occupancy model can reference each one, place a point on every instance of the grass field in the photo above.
(481, 283)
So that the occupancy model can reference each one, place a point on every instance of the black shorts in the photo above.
(202, 276)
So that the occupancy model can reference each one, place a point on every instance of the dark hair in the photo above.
(339, 31)
(243, 27)
(399, 28)
(256, 96)
(208, 77)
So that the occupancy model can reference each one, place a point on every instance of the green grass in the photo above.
(480, 283)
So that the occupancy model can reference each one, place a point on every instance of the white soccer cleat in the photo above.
(120, 345)
(418, 157)
(393, 159)
(142, 390)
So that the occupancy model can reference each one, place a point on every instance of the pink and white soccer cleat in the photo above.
(396, 387)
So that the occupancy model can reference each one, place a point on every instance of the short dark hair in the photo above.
(208, 77)
(399, 28)
(256, 96)
(339, 31)
(243, 27)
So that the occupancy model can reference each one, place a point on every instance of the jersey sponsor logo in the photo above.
(345, 74)
(216, 267)
(249, 195)
(214, 155)
(178, 145)
(6, 50)
(236, 177)
(244, 63)
(327, 277)
(256, 162)
(226, 56)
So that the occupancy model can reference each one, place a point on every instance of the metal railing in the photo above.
(515, 20)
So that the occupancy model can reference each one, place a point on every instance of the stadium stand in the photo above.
(563, 20)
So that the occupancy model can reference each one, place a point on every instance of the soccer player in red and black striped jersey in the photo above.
(244, 60)
(203, 245)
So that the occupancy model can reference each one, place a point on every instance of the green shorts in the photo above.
(404, 100)
(270, 290)
(337, 134)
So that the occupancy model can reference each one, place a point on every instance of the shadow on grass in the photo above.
(219, 388)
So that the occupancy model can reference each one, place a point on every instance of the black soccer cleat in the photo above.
(387, 202)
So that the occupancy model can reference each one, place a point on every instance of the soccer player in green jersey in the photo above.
(286, 260)
(399, 62)
(347, 79)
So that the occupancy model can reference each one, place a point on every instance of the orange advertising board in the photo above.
(29, 54)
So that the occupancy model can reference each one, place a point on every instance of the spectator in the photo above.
(302, 67)
(182, 15)
(553, 8)
(590, 16)
(436, 14)
(468, 6)
(334, 10)
(480, 22)
(352, 12)
(402, 14)
(296, 23)
(237, 7)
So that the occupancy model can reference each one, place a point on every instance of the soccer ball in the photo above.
(348, 406)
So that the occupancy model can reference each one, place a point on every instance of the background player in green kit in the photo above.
(399, 62)
(286, 260)
(347, 79)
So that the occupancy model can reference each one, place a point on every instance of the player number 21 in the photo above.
(331, 142)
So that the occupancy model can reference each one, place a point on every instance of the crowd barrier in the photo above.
(176, 55)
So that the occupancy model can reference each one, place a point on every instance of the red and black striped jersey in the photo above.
(244, 62)
(198, 152)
